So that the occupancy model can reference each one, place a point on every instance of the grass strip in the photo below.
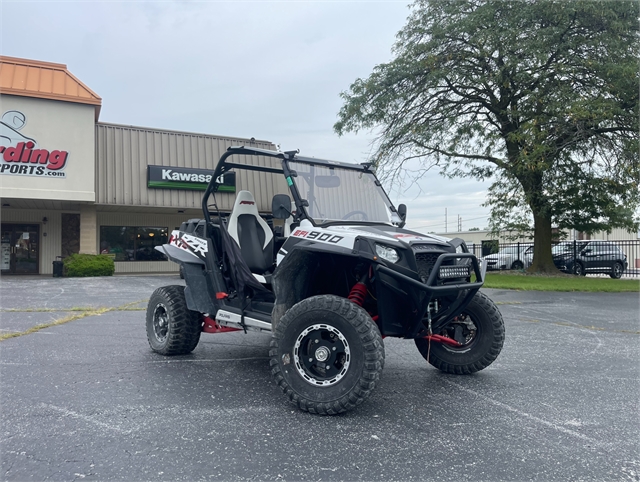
(54, 310)
(127, 307)
(69, 318)
(527, 282)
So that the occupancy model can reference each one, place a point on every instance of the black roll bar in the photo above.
(221, 168)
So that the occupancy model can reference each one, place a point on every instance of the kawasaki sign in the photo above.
(161, 177)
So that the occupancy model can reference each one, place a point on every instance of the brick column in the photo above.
(88, 229)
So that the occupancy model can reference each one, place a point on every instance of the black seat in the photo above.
(252, 234)
(190, 225)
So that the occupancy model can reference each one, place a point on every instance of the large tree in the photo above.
(539, 96)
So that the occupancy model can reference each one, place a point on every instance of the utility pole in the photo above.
(459, 223)
(445, 220)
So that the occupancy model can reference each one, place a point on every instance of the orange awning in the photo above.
(44, 80)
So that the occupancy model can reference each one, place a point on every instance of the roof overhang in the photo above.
(44, 80)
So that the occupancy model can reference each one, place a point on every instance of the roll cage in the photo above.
(285, 157)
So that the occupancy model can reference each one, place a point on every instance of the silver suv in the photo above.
(595, 256)
(511, 257)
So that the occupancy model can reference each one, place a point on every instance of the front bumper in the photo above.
(413, 298)
(563, 264)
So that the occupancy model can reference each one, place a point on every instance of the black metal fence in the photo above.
(615, 258)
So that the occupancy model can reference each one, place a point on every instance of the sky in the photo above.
(273, 70)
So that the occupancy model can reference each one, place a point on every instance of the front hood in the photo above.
(492, 257)
(392, 235)
(345, 236)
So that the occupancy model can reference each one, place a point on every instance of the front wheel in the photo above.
(578, 269)
(616, 270)
(326, 355)
(517, 265)
(479, 329)
(172, 329)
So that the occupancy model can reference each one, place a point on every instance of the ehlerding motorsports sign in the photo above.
(160, 177)
(22, 156)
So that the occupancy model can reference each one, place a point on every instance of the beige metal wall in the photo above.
(124, 152)
(51, 244)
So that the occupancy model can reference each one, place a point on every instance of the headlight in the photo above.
(387, 253)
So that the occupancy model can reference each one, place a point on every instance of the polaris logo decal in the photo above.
(408, 237)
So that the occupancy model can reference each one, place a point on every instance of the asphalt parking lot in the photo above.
(88, 400)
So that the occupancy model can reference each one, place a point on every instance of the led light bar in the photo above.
(453, 272)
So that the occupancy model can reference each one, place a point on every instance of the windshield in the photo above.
(336, 194)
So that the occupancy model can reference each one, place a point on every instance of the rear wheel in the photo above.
(172, 329)
(479, 329)
(326, 355)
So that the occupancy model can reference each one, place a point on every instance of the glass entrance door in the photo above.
(20, 248)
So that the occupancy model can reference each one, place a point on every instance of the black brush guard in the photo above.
(422, 294)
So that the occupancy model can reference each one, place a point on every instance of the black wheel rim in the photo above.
(321, 355)
(463, 330)
(617, 270)
(160, 322)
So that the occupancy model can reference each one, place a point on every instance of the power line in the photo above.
(444, 224)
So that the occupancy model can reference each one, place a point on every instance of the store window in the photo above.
(128, 243)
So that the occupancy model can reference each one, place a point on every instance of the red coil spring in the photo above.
(358, 293)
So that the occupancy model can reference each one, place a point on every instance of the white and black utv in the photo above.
(337, 278)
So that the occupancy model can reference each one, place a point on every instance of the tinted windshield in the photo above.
(335, 194)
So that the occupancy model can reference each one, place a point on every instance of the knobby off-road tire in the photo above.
(326, 332)
(172, 329)
(482, 347)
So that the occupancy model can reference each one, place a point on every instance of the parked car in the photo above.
(594, 256)
(512, 257)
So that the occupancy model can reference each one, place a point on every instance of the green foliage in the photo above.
(539, 96)
(80, 265)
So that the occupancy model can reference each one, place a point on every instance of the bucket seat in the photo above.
(252, 234)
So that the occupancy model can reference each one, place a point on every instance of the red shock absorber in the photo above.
(358, 293)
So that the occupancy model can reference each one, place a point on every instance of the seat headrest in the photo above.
(245, 204)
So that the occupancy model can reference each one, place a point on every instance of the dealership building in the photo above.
(72, 184)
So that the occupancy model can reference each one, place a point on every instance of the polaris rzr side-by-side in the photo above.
(330, 281)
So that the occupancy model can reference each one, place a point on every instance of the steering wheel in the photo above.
(353, 213)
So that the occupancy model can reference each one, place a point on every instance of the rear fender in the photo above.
(178, 255)
(197, 292)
